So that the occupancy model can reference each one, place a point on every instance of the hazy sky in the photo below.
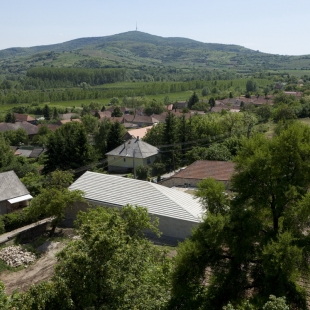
(270, 26)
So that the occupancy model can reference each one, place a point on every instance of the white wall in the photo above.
(169, 227)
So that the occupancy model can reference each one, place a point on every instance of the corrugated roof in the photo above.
(11, 186)
(142, 149)
(119, 191)
(201, 169)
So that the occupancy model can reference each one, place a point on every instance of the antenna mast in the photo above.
(136, 26)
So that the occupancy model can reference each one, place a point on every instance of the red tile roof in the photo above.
(23, 118)
(201, 169)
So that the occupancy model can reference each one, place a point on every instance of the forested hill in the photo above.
(135, 49)
(125, 39)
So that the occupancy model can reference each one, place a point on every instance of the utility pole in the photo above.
(134, 163)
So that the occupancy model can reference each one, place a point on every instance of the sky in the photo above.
(270, 26)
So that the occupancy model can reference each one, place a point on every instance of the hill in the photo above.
(135, 49)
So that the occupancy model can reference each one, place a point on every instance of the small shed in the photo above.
(13, 193)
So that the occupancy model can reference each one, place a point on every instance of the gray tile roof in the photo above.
(11, 186)
(118, 191)
(30, 129)
(143, 149)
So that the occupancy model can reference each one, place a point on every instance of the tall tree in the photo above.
(68, 148)
(115, 136)
(170, 154)
(6, 154)
(101, 137)
(257, 241)
(192, 100)
(47, 112)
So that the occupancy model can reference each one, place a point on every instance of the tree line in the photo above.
(75, 76)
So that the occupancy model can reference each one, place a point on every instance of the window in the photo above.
(124, 159)
(148, 161)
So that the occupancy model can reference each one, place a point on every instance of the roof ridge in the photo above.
(171, 198)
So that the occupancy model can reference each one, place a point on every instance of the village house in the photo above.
(201, 169)
(25, 118)
(132, 153)
(31, 130)
(13, 193)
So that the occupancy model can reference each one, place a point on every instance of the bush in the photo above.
(17, 219)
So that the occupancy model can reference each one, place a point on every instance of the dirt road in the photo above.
(41, 270)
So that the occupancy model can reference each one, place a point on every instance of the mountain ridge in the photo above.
(136, 49)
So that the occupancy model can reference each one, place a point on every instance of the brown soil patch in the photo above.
(41, 270)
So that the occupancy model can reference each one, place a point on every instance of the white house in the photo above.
(178, 212)
(130, 154)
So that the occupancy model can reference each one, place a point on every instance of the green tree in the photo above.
(53, 201)
(16, 137)
(101, 137)
(143, 172)
(55, 113)
(264, 113)
(155, 136)
(47, 112)
(6, 155)
(9, 118)
(154, 108)
(197, 153)
(283, 113)
(251, 86)
(90, 123)
(255, 241)
(170, 137)
(34, 182)
(114, 261)
(115, 136)
(211, 103)
(68, 148)
(218, 151)
(192, 100)
(205, 91)
(117, 112)
(43, 135)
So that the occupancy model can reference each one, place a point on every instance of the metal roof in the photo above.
(118, 191)
(11, 186)
(20, 198)
(142, 149)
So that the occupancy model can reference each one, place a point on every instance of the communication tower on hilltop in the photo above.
(136, 26)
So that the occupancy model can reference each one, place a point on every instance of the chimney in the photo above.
(137, 138)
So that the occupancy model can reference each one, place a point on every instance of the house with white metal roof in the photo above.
(13, 193)
(130, 154)
(178, 212)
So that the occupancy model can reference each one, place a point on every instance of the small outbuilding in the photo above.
(178, 212)
(13, 193)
